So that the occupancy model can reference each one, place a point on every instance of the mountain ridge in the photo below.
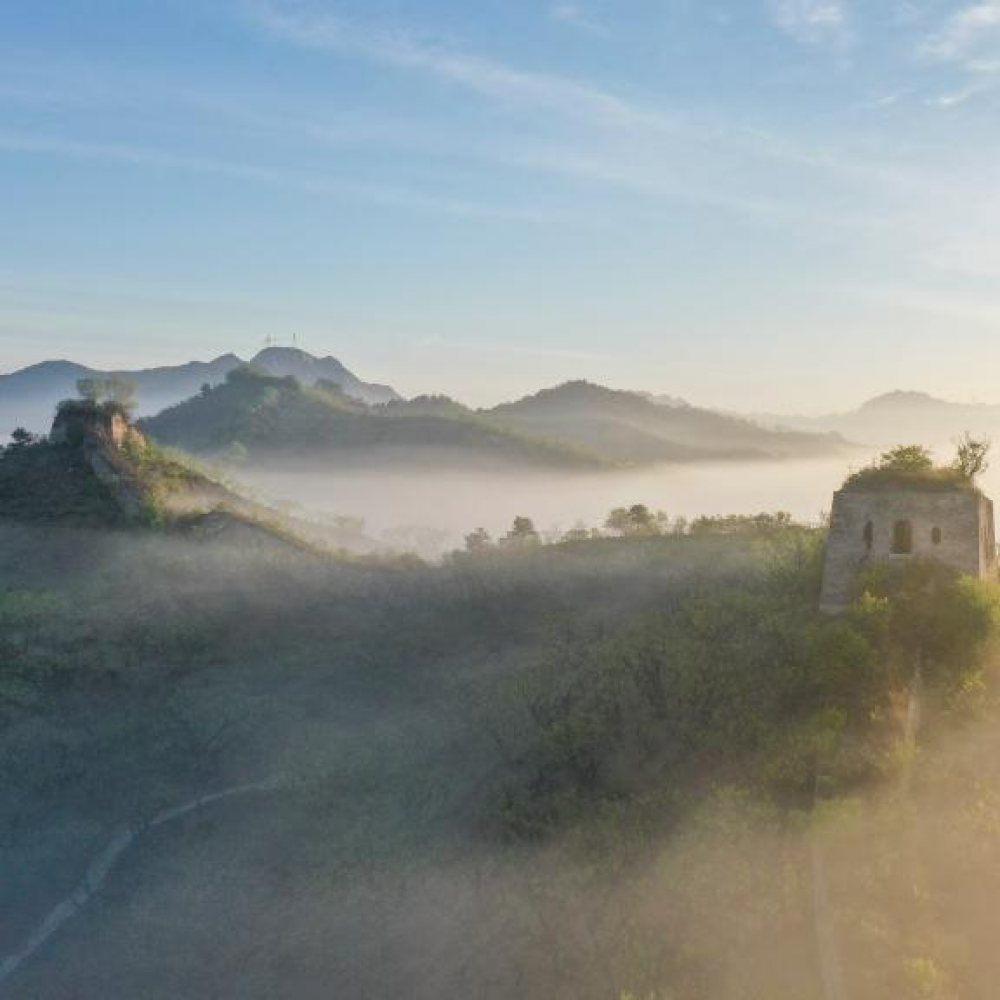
(901, 417)
(271, 418)
(28, 396)
(640, 429)
(576, 424)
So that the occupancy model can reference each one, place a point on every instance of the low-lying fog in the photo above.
(432, 511)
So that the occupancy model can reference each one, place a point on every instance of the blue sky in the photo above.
(756, 204)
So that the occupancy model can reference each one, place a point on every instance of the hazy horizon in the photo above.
(484, 202)
(488, 399)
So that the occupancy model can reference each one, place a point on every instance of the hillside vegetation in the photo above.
(575, 426)
(629, 427)
(601, 768)
(39, 483)
(72, 485)
(258, 416)
(912, 467)
(142, 486)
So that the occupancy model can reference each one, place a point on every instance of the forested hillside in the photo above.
(253, 415)
(634, 766)
(261, 417)
(630, 427)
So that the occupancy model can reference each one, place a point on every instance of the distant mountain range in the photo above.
(576, 425)
(266, 419)
(901, 418)
(28, 397)
(286, 402)
(632, 428)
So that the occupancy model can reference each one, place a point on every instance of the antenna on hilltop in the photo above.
(269, 341)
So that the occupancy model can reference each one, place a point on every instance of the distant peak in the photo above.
(582, 389)
(54, 365)
(284, 352)
(903, 399)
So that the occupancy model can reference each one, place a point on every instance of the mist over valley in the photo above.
(497, 500)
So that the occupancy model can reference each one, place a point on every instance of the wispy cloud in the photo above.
(345, 190)
(673, 155)
(811, 21)
(958, 98)
(489, 77)
(575, 16)
(24, 142)
(969, 41)
(963, 35)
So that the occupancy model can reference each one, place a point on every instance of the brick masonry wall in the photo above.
(965, 520)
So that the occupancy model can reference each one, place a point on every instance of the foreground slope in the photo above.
(591, 770)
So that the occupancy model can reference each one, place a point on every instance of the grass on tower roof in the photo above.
(939, 479)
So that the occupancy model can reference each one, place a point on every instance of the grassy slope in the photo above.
(53, 485)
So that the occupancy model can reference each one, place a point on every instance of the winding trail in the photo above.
(104, 864)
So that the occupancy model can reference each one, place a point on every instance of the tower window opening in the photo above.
(902, 538)
(869, 536)
(936, 536)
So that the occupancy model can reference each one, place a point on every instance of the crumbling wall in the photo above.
(125, 489)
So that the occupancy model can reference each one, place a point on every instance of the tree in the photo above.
(21, 438)
(89, 389)
(522, 533)
(972, 456)
(579, 533)
(907, 458)
(634, 520)
(114, 389)
(929, 615)
(478, 541)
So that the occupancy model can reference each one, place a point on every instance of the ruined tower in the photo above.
(869, 524)
(79, 422)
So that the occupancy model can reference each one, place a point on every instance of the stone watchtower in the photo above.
(892, 522)
(80, 422)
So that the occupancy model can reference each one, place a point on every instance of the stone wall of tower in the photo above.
(953, 527)
(77, 424)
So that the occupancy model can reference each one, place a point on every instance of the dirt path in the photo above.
(104, 864)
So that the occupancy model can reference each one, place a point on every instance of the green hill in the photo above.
(279, 417)
(629, 427)
(576, 425)
(93, 483)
